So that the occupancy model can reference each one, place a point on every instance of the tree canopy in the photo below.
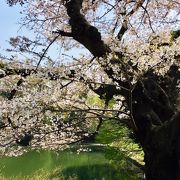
(126, 70)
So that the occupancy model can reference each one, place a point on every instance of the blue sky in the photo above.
(10, 27)
(9, 17)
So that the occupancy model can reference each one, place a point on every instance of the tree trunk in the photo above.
(152, 102)
(161, 166)
(158, 130)
(162, 158)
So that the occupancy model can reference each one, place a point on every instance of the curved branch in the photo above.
(45, 51)
(83, 32)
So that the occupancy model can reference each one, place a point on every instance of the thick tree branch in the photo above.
(63, 33)
(124, 26)
(83, 32)
(123, 29)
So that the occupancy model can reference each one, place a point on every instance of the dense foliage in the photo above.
(130, 74)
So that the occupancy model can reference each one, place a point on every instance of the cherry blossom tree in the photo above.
(132, 60)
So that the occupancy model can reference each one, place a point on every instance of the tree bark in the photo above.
(158, 132)
(153, 109)
(83, 32)
(162, 158)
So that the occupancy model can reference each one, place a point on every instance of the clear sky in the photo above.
(10, 27)
(9, 17)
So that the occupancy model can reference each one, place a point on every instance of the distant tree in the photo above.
(132, 61)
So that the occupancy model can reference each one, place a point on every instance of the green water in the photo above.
(86, 165)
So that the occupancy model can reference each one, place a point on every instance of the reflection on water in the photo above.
(85, 165)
